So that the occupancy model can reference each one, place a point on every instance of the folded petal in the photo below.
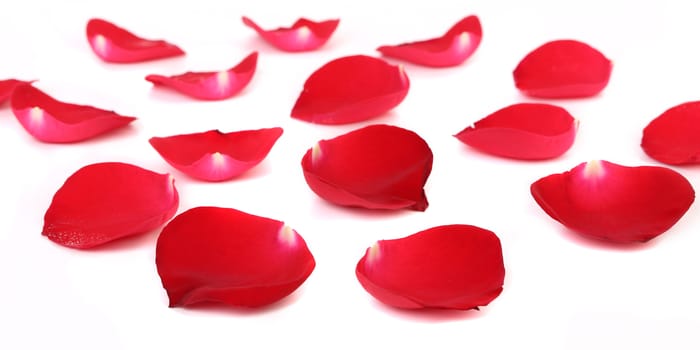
(351, 89)
(117, 45)
(375, 167)
(672, 137)
(303, 35)
(607, 201)
(106, 201)
(8, 86)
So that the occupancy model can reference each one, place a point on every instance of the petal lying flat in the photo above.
(216, 156)
(53, 121)
(375, 167)
(673, 136)
(351, 89)
(563, 69)
(8, 86)
(451, 49)
(211, 85)
(616, 203)
(523, 131)
(103, 202)
(210, 254)
(303, 35)
(117, 45)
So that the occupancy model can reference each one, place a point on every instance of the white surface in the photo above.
(560, 292)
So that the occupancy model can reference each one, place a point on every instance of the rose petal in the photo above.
(672, 137)
(8, 86)
(351, 89)
(210, 254)
(451, 49)
(607, 201)
(523, 131)
(303, 35)
(449, 267)
(216, 156)
(375, 167)
(117, 45)
(563, 69)
(106, 201)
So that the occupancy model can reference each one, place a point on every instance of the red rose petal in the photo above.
(673, 137)
(612, 202)
(49, 120)
(351, 89)
(210, 254)
(8, 86)
(106, 201)
(523, 131)
(211, 85)
(117, 45)
(448, 267)
(303, 35)
(216, 156)
(452, 49)
(375, 167)
(563, 69)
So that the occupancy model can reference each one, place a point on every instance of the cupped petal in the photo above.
(303, 35)
(563, 69)
(351, 89)
(222, 255)
(451, 49)
(8, 86)
(523, 131)
(216, 156)
(673, 136)
(375, 167)
(621, 204)
(103, 202)
(117, 45)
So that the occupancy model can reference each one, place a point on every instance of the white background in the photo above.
(560, 292)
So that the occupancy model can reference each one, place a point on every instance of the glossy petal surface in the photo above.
(303, 35)
(7, 87)
(117, 45)
(674, 136)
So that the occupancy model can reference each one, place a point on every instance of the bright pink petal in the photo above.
(8, 86)
(674, 136)
(616, 203)
(216, 156)
(223, 255)
(451, 49)
(106, 201)
(375, 167)
(523, 131)
(303, 35)
(563, 69)
(117, 45)
(351, 89)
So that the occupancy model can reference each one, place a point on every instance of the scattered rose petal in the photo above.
(117, 45)
(674, 136)
(563, 69)
(523, 131)
(223, 255)
(216, 156)
(375, 167)
(451, 49)
(106, 201)
(303, 35)
(447, 267)
(8, 86)
(607, 201)
(351, 89)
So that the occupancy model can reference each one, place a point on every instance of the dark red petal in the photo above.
(375, 167)
(448, 267)
(674, 136)
(210, 254)
(523, 131)
(211, 85)
(49, 120)
(107, 201)
(612, 202)
(216, 156)
(351, 89)
(563, 69)
(451, 49)
(8, 86)
(303, 35)
(117, 45)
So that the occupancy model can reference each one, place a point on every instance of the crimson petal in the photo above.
(117, 45)
(375, 167)
(563, 69)
(106, 201)
(523, 131)
(607, 201)
(351, 89)
(8, 86)
(303, 35)
(210, 254)
(672, 137)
